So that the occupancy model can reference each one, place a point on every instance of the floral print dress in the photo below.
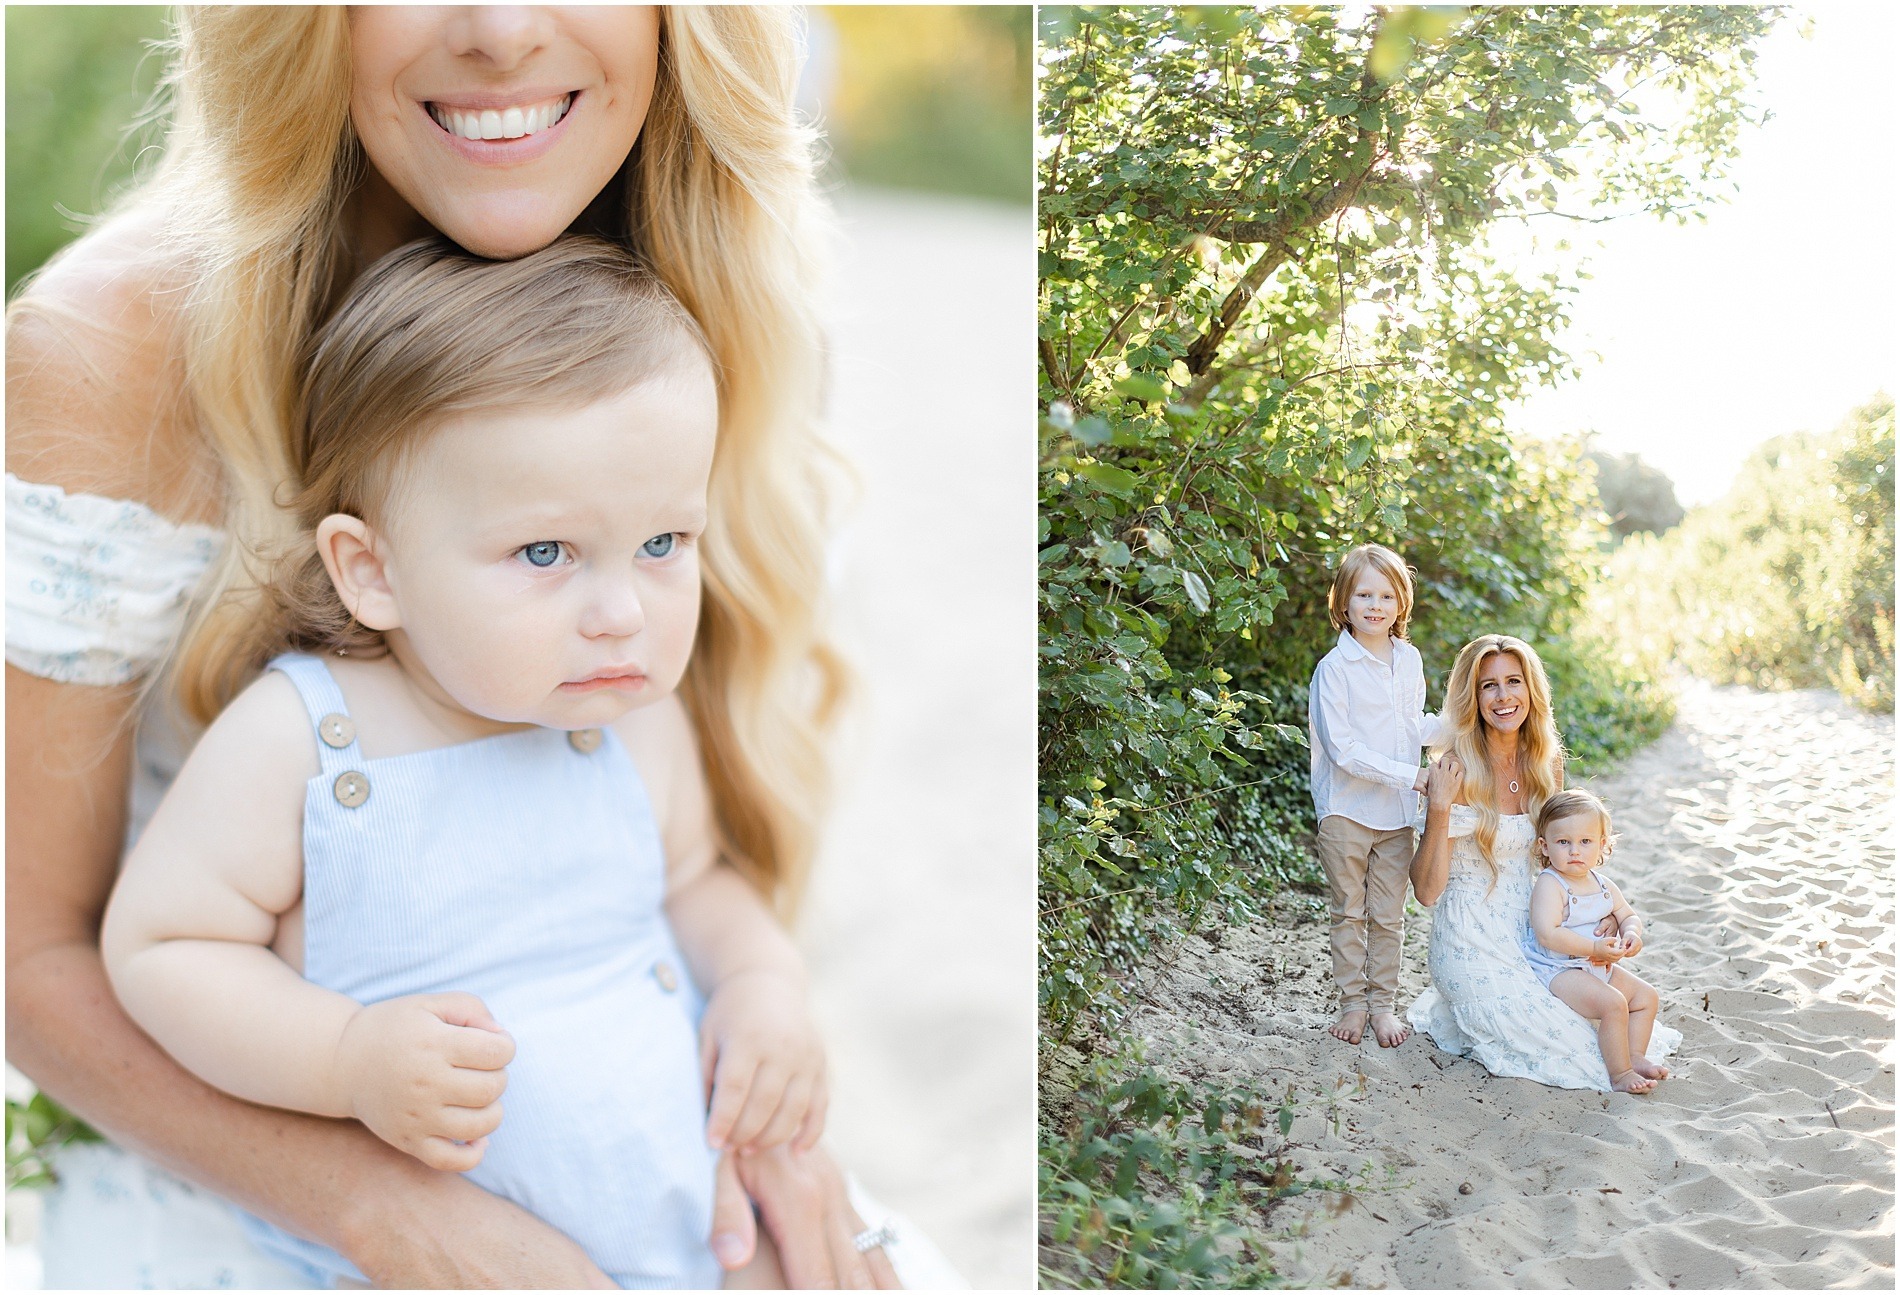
(1485, 1002)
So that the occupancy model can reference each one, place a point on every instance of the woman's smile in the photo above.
(628, 679)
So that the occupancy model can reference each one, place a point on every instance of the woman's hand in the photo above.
(801, 1198)
(449, 1234)
(1445, 781)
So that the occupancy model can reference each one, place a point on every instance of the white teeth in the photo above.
(507, 123)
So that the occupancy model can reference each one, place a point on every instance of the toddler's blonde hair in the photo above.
(1379, 558)
(432, 331)
(1575, 803)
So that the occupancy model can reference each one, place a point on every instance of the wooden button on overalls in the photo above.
(584, 740)
(352, 789)
(664, 973)
(336, 730)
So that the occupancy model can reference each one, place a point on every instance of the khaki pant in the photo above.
(1366, 873)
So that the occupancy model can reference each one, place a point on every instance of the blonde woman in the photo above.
(151, 377)
(1473, 868)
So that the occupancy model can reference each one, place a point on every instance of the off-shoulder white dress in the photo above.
(97, 592)
(1485, 1001)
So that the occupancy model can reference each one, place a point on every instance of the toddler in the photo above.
(1367, 723)
(458, 838)
(1568, 900)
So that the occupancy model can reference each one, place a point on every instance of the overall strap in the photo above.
(337, 750)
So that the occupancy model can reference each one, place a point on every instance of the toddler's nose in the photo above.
(614, 612)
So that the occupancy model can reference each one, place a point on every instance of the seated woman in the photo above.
(1473, 866)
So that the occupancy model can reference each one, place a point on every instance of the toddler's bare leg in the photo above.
(762, 1272)
(1595, 1001)
(1644, 1002)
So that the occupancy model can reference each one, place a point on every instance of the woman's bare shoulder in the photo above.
(95, 375)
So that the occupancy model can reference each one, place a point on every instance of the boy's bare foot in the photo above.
(1631, 1082)
(1350, 1027)
(1649, 1069)
(1389, 1030)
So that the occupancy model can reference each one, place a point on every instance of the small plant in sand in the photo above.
(1157, 1183)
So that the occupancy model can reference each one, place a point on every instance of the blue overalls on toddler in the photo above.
(1581, 915)
(524, 868)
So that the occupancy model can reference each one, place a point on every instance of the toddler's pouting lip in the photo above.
(619, 678)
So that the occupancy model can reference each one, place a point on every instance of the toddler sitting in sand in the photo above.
(1568, 901)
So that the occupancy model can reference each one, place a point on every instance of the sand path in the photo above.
(1758, 839)
(920, 927)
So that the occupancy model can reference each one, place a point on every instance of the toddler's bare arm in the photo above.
(763, 1058)
(187, 945)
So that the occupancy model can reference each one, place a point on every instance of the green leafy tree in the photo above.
(1636, 496)
(1787, 581)
(1270, 330)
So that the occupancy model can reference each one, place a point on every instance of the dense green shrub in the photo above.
(1269, 331)
(1788, 581)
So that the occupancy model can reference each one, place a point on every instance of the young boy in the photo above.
(1367, 724)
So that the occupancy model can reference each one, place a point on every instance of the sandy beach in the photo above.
(1757, 838)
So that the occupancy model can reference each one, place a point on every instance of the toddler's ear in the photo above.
(350, 550)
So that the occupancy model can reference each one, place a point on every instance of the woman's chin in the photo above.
(503, 227)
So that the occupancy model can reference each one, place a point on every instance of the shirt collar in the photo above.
(1357, 651)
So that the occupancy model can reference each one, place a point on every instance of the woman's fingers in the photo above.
(734, 1229)
(854, 1272)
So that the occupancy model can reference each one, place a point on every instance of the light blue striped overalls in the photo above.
(525, 869)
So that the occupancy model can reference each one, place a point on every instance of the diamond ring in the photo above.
(872, 1238)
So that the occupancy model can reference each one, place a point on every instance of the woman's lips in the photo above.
(497, 152)
(630, 682)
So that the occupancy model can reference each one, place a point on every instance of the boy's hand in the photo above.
(425, 1073)
(763, 1062)
(1423, 781)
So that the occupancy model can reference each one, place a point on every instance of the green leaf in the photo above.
(1117, 481)
(1141, 386)
(1114, 555)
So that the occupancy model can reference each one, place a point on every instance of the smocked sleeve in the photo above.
(97, 589)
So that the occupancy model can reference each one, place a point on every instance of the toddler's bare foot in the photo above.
(1631, 1082)
(1649, 1069)
(1389, 1030)
(1350, 1027)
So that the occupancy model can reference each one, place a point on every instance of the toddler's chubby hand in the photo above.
(1609, 949)
(425, 1073)
(765, 1065)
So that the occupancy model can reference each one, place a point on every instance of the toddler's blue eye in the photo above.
(543, 554)
(660, 545)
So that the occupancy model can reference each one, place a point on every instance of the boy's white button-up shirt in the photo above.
(1366, 724)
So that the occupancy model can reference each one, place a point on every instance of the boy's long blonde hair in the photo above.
(718, 202)
(1540, 751)
(1373, 557)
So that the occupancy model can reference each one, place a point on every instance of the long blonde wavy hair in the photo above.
(1540, 749)
(718, 202)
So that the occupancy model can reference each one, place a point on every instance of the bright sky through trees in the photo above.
(1782, 312)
